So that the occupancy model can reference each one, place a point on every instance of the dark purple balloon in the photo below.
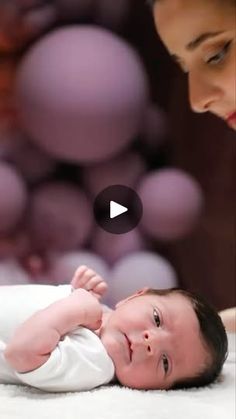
(60, 216)
(126, 170)
(13, 197)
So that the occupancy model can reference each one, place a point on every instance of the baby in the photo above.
(61, 338)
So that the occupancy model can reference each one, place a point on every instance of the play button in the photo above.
(118, 209)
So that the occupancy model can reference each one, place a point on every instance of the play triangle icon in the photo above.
(116, 209)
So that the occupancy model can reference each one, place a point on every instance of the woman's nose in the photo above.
(203, 94)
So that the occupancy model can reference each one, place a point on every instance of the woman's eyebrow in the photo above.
(200, 39)
(196, 42)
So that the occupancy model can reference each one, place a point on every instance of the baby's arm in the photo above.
(35, 339)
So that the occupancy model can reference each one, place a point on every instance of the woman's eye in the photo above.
(156, 317)
(165, 364)
(217, 58)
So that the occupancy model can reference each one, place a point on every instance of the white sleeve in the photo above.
(79, 362)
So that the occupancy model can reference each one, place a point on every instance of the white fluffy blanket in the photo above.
(113, 402)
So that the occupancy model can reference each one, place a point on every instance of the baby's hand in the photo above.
(89, 280)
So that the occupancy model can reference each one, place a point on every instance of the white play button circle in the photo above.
(116, 209)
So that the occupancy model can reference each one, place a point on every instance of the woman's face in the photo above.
(201, 36)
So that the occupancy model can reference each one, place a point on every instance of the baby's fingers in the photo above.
(100, 288)
(79, 278)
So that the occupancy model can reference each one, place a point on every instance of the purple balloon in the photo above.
(13, 197)
(60, 216)
(138, 270)
(32, 162)
(11, 273)
(64, 265)
(112, 247)
(123, 170)
(155, 127)
(172, 203)
(82, 93)
(15, 245)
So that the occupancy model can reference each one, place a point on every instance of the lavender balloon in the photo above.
(32, 162)
(155, 127)
(64, 265)
(13, 197)
(82, 93)
(138, 270)
(123, 170)
(11, 273)
(60, 216)
(172, 203)
(112, 247)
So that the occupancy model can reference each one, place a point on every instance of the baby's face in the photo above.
(154, 341)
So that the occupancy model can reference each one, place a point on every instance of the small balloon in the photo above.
(112, 247)
(14, 197)
(32, 162)
(11, 273)
(172, 203)
(60, 216)
(64, 265)
(125, 170)
(138, 270)
(155, 127)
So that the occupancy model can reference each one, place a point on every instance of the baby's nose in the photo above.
(149, 341)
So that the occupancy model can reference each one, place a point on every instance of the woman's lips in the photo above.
(129, 347)
(231, 120)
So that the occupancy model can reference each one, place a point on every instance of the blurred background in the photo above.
(89, 98)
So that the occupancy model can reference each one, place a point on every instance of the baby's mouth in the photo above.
(129, 347)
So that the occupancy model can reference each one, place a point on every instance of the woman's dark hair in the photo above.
(152, 2)
(213, 334)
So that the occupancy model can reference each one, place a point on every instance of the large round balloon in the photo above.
(172, 203)
(122, 170)
(63, 265)
(60, 216)
(112, 247)
(13, 197)
(82, 93)
(138, 270)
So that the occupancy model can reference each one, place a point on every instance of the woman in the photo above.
(201, 37)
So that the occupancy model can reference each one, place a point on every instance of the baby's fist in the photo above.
(90, 309)
(88, 279)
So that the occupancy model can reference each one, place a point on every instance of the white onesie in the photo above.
(79, 362)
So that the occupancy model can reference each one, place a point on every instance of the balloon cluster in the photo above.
(75, 117)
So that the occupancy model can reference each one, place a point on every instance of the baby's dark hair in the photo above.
(213, 334)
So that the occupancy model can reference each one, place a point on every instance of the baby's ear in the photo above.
(136, 294)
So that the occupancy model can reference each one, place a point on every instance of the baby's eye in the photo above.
(165, 364)
(217, 58)
(156, 317)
